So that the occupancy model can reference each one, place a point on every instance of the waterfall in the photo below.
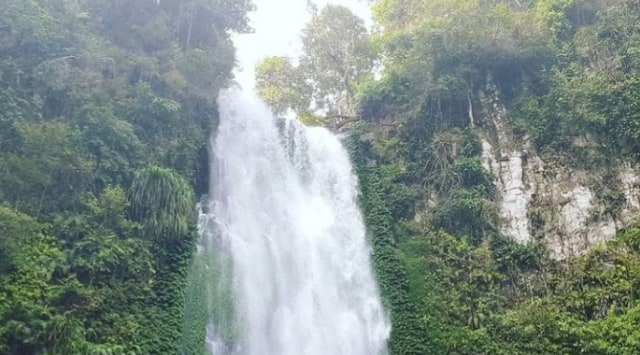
(292, 272)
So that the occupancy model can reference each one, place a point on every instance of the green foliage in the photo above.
(472, 173)
(337, 58)
(162, 201)
(466, 212)
(105, 107)
(565, 70)
(45, 172)
(504, 298)
(282, 86)
(439, 54)
(408, 336)
(95, 245)
(585, 105)
(15, 231)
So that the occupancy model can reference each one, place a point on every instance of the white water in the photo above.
(285, 212)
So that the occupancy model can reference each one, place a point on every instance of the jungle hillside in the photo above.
(107, 107)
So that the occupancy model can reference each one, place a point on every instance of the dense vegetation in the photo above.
(564, 69)
(105, 109)
(567, 72)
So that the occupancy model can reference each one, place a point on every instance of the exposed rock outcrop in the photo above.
(542, 200)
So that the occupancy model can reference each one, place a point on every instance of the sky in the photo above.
(277, 25)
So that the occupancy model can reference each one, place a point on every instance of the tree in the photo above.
(91, 92)
(282, 85)
(337, 57)
(338, 54)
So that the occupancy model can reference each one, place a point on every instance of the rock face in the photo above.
(541, 200)
(515, 195)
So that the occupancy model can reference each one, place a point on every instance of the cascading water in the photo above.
(284, 222)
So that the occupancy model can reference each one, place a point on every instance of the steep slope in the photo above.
(506, 136)
(105, 109)
(570, 208)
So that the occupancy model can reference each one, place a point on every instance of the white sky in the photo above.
(277, 25)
